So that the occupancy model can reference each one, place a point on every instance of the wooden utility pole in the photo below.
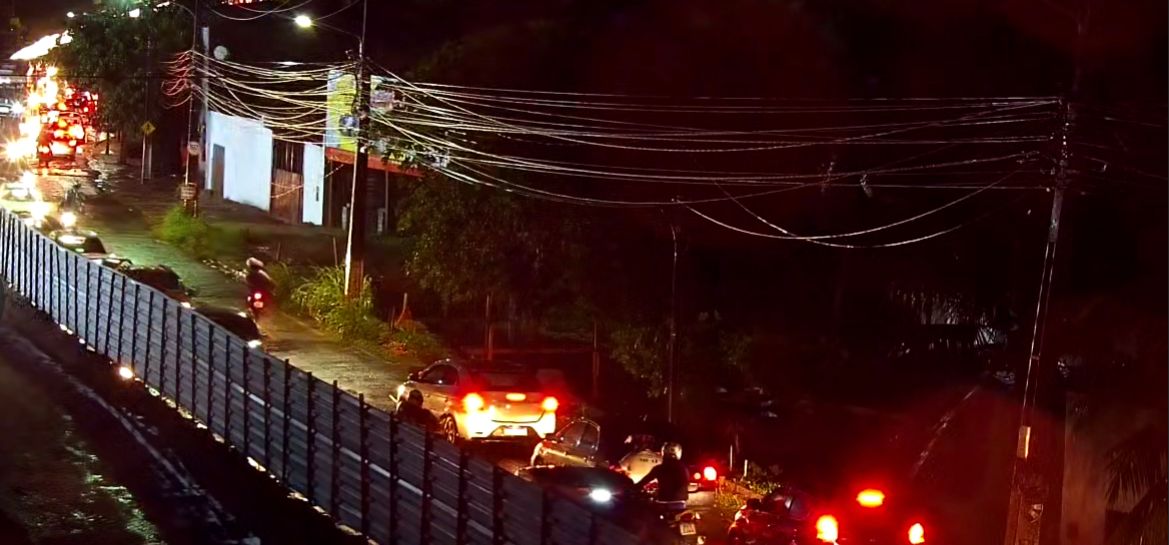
(355, 249)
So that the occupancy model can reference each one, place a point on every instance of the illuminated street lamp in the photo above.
(134, 13)
(71, 15)
(303, 21)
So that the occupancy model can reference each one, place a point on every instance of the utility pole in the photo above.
(194, 148)
(147, 148)
(355, 249)
(1028, 496)
(672, 347)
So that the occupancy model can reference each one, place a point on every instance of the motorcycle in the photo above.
(259, 302)
(259, 298)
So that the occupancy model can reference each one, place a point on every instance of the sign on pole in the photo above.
(147, 128)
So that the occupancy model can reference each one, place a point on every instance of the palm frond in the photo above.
(1137, 463)
(1148, 521)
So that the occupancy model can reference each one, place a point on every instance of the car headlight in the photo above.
(601, 495)
(255, 343)
(68, 219)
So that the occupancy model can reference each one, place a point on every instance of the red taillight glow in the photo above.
(516, 397)
(710, 473)
(697, 476)
(473, 402)
(258, 295)
(917, 534)
(870, 497)
(550, 404)
(61, 123)
(58, 134)
(826, 529)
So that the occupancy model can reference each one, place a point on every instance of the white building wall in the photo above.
(313, 206)
(247, 169)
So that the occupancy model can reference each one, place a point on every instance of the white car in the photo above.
(20, 198)
(478, 400)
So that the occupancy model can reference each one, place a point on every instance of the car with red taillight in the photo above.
(480, 400)
(865, 515)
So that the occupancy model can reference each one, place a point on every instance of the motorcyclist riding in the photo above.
(673, 479)
(411, 410)
(257, 278)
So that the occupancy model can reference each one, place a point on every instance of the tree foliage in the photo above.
(119, 57)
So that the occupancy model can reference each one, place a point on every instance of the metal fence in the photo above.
(388, 480)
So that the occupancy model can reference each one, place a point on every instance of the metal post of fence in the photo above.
(210, 370)
(149, 321)
(121, 318)
(194, 372)
(335, 473)
(594, 531)
(247, 404)
(312, 437)
(363, 423)
(267, 413)
(76, 296)
(462, 509)
(287, 419)
(497, 536)
(89, 304)
(393, 523)
(109, 315)
(545, 518)
(38, 302)
(134, 336)
(427, 488)
(227, 383)
(162, 357)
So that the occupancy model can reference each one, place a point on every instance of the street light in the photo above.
(355, 246)
(71, 15)
(134, 13)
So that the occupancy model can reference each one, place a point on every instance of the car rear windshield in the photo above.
(93, 246)
(503, 380)
(160, 279)
(243, 328)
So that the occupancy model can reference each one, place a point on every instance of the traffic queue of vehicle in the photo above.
(59, 223)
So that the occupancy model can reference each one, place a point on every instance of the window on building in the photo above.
(288, 156)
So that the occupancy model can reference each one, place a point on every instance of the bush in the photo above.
(322, 298)
(410, 337)
(199, 238)
(286, 281)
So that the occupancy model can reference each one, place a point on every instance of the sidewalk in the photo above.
(123, 215)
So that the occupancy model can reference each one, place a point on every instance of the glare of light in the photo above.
(185, 304)
(51, 72)
(870, 497)
(36, 49)
(255, 343)
(288, 63)
(600, 495)
(28, 179)
(917, 534)
(827, 529)
(65, 39)
(303, 21)
(125, 373)
(134, 13)
(68, 219)
(71, 15)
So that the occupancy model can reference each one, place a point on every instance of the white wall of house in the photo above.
(247, 168)
(313, 208)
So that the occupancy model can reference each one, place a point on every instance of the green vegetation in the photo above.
(199, 238)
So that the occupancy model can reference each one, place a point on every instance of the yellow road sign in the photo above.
(147, 128)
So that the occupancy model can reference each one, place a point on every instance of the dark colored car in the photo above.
(161, 278)
(789, 515)
(597, 487)
(235, 321)
(85, 243)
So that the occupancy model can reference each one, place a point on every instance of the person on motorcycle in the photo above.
(411, 410)
(257, 278)
(672, 476)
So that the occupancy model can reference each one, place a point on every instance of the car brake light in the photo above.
(472, 402)
(550, 404)
(710, 473)
(870, 497)
(516, 397)
(697, 476)
(258, 295)
(61, 123)
(917, 534)
(826, 529)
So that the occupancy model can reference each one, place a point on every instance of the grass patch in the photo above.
(199, 238)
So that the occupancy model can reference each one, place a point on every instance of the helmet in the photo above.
(254, 264)
(414, 398)
(672, 450)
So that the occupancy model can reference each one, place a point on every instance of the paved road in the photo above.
(125, 233)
